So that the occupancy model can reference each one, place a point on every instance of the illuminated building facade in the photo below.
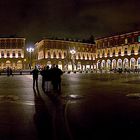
(119, 51)
(67, 55)
(12, 52)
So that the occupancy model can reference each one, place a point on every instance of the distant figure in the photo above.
(48, 77)
(35, 77)
(58, 79)
(8, 71)
(11, 72)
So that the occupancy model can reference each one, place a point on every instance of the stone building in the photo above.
(12, 52)
(68, 55)
(119, 51)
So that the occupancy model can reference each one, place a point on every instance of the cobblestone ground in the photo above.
(90, 106)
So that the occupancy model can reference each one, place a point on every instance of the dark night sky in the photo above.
(35, 19)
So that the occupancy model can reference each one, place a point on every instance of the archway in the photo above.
(114, 64)
(8, 63)
(103, 64)
(119, 63)
(126, 63)
(132, 63)
(108, 64)
(19, 64)
(98, 64)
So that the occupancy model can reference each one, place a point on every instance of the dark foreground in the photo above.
(90, 107)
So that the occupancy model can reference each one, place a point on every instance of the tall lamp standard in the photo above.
(30, 50)
(73, 58)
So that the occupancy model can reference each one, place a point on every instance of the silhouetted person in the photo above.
(43, 78)
(8, 71)
(56, 78)
(11, 71)
(48, 77)
(35, 77)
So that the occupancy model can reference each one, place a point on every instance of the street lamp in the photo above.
(30, 50)
(73, 58)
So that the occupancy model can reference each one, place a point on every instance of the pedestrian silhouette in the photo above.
(8, 71)
(43, 78)
(35, 77)
(56, 78)
(48, 77)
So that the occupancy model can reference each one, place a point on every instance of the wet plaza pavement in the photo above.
(90, 106)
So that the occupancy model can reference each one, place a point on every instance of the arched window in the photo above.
(108, 53)
(91, 57)
(19, 54)
(98, 54)
(49, 55)
(8, 54)
(13, 54)
(87, 56)
(79, 57)
(119, 53)
(54, 55)
(132, 51)
(59, 55)
(103, 54)
(113, 52)
(64, 55)
(83, 56)
(2, 54)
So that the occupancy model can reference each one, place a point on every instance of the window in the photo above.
(119, 53)
(64, 55)
(113, 52)
(13, 54)
(79, 57)
(49, 55)
(108, 53)
(98, 54)
(83, 56)
(87, 56)
(8, 54)
(54, 55)
(103, 54)
(19, 54)
(125, 51)
(2, 54)
(59, 55)
(132, 51)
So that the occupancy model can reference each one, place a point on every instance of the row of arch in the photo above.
(132, 63)
(69, 66)
(12, 64)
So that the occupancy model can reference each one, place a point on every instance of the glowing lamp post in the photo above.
(30, 50)
(73, 58)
